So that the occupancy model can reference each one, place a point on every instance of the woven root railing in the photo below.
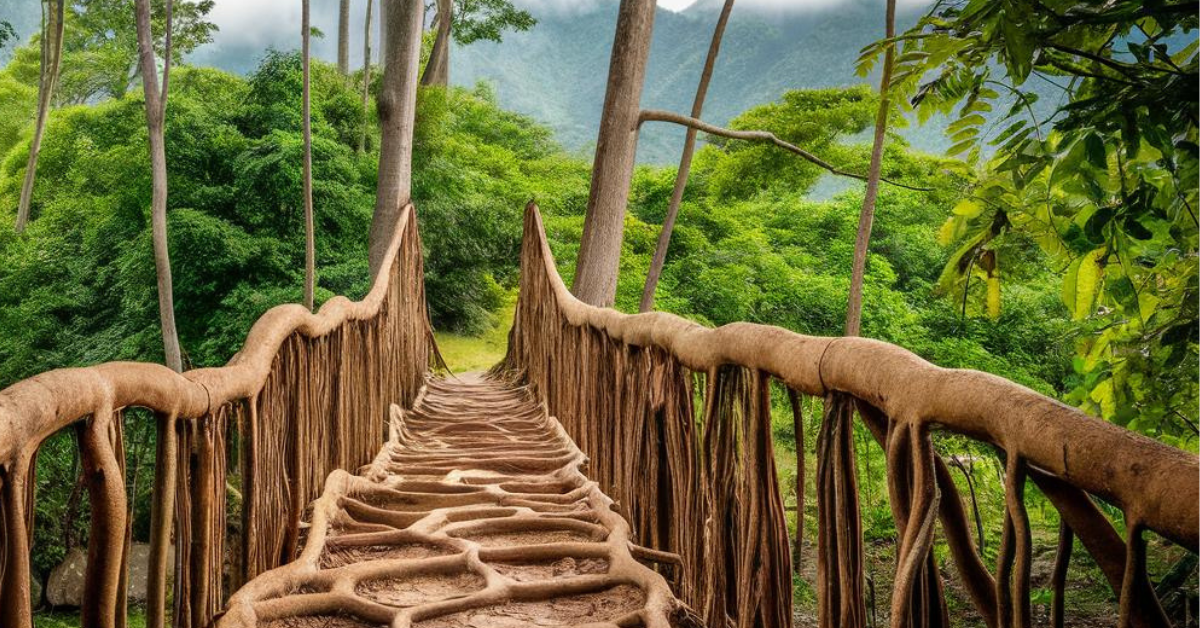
(703, 484)
(306, 395)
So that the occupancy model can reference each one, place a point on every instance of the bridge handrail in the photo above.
(59, 397)
(1061, 448)
(194, 410)
(1143, 476)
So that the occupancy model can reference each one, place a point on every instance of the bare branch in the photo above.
(656, 115)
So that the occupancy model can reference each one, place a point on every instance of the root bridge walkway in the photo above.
(476, 514)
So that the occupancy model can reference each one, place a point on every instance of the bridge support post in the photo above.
(15, 605)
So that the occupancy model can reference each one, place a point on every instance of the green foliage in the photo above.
(767, 254)
(486, 20)
(100, 44)
(18, 101)
(1106, 186)
(84, 271)
(7, 33)
(813, 119)
(476, 167)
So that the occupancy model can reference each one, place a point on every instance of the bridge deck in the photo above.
(476, 514)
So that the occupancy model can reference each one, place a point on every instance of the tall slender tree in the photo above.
(437, 70)
(612, 169)
(866, 217)
(344, 37)
(156, 108)
(310, 263)
(685, 163)
(52, 45)
(397, 104)
(366, 79)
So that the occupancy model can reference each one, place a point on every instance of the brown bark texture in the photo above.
(156, 109)
(599, 258)
(866, 217)
(397, 104)
(437, 70)
(310, 252)
(719, 494)
(299, 380)
(366, 79)
(343, 42)
(51, 60)
(685, 163)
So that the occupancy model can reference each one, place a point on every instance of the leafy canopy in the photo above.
(1106, 185)
(476, 20)
(100, 44)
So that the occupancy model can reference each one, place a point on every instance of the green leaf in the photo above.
(1094, 227)
(960, 147)
(1097, 154)
(1136, 229)
(968, 208)
(1081, 283)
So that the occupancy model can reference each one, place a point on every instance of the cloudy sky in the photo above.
(249, 27)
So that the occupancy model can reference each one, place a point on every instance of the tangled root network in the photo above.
(476, 514)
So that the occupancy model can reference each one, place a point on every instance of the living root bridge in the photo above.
(700, 482)
(475, 513)
(299, 380)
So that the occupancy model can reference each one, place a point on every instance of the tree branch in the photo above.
(655, 115)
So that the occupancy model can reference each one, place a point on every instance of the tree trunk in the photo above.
(52, 38)
(310, 264)
(366, 80)
(156, 105)
(685, 165)
(437, 71)
(397, 106)
(383, 34)
(867, 216)
(343, 37)
(612, 170)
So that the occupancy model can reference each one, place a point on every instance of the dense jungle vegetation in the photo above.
(1103, 317)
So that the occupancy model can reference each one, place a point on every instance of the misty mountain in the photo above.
(556, 72)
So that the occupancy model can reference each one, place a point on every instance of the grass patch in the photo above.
(70, 619)
(464, 354)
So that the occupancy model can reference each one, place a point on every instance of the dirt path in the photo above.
(476, 514)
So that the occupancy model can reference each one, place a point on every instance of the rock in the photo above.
(65, 585)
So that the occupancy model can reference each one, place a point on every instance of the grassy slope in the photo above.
(464, 354)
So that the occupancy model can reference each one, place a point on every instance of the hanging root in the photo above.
(1058, 579)
(798, 429)
(917, 539)
(1016, 549)
(839, 525)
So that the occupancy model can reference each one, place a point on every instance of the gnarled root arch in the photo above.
(300, 379)
(702, 484)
